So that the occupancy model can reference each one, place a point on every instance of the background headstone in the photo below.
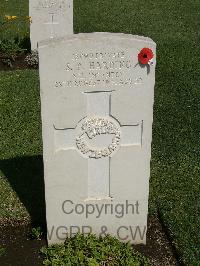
(97, 113)
(50, 19)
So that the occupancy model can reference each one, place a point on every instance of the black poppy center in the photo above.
(144, 55)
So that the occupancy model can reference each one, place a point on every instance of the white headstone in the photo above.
(97, 113)
(50, 19)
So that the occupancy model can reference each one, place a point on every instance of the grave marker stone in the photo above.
(97, 113)
(50, 19)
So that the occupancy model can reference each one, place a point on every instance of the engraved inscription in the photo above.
(97, 137)
(52, 5)
(93, 127)
(90, 69)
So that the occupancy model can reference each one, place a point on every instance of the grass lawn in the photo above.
(175, 169)
(19, 27)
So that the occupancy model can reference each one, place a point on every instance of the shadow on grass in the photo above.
(25, 175)
(15, 45)
(25, 43)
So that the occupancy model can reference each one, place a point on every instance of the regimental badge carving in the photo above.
(90, 128)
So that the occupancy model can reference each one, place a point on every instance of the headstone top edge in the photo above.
(88, 36)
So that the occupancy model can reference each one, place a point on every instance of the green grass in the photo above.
(2, 251)
(20, 114)
(36, 233)
(21, 176)
(19, 27)
(175, 169)
(93, 251)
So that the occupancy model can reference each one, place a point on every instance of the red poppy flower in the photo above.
(145, 55)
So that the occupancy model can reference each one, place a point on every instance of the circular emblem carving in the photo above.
(91, 128)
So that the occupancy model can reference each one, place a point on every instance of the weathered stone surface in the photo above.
(50, 19)
(97, 113)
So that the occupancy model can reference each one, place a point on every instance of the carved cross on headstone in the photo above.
(52, 23)
(97, 138)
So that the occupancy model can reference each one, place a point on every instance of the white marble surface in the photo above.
(97, 114)
(50, 19)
